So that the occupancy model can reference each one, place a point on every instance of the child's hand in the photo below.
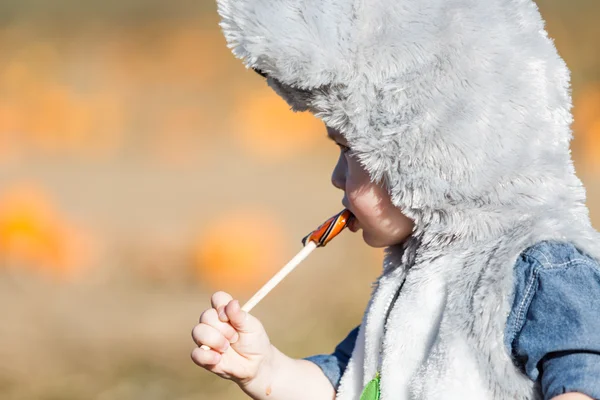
(239, 346)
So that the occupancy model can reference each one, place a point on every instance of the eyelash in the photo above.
(344, 149)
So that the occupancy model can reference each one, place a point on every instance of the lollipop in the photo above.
(318, 238)
(330, 229)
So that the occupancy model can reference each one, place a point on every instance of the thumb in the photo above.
(240, 319)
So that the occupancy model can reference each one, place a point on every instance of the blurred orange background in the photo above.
(142, 167)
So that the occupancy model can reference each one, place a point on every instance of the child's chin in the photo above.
(373, 241)
(378, 242)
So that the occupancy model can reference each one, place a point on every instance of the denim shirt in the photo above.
(553, 329)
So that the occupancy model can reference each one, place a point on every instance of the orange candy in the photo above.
(329, 229)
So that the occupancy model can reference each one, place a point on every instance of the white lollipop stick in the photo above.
(278, 277)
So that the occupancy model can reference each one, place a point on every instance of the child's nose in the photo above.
(338, 177)
(336, 183)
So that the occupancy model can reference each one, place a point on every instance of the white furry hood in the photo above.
(462, 107)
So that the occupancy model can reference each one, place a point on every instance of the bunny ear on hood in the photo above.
(460, 107)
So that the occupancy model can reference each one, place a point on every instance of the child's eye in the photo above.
(344, 149)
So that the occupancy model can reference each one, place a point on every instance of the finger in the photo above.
(207, 335)
(239, 319)
(205, 358)
(210, 317)
(218, 301)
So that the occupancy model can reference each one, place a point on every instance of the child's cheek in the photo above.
(361, 192)
(364, 200)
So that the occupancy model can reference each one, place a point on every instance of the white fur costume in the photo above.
(462, 109)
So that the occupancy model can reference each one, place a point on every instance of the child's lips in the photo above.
(352, 223)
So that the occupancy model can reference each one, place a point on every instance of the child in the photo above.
(453, 118)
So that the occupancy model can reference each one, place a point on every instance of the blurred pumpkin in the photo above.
(267, 129)
(35, 237)
(240, 251)
(11, 119)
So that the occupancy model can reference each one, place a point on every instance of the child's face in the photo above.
(382, 223)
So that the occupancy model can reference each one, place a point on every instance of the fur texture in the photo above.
(462, 109)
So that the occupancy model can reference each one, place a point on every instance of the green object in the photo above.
(371, 391)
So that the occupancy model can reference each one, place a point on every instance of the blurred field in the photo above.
(130, 140)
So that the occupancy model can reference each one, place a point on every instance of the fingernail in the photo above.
(235, 338)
